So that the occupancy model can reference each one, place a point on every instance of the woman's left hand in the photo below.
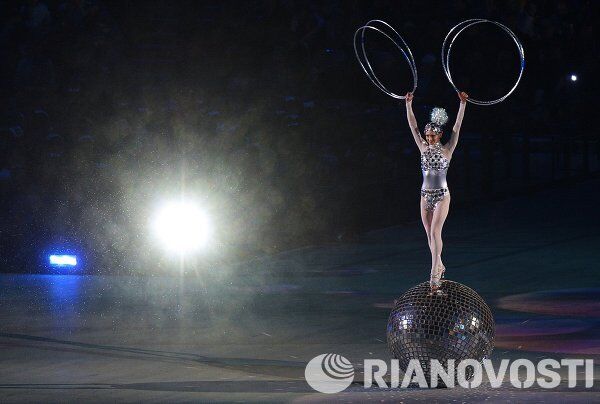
(463, 96)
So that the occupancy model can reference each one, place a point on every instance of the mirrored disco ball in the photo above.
(455, 324)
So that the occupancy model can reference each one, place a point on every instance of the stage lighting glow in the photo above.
(182, 227)
(63, 260)
(573, 77)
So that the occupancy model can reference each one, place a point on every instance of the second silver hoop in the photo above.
(446, 56)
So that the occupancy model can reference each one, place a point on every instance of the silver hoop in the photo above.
(446, 57)
(366, 65)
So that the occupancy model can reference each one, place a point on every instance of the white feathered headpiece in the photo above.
(438, 118)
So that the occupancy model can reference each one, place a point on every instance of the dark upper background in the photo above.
(260, 109)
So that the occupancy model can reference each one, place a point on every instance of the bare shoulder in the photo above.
(447, 151)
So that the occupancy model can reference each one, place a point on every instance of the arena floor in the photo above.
(245, 332)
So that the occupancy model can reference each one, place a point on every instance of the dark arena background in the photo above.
(199, 197)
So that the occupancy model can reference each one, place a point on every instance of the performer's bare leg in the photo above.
(440, 214)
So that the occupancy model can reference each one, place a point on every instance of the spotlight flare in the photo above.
(182, 227)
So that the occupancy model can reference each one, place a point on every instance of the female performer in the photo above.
(435, 196)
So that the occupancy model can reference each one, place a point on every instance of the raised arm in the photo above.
(451, 145)
(412, 123)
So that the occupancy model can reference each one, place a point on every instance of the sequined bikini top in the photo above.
(433, 158)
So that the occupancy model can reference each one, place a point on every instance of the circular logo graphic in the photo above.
(329, 373)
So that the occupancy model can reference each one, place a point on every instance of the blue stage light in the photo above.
(573, 77)
(64, 260)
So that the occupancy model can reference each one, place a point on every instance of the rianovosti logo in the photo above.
(329, 373)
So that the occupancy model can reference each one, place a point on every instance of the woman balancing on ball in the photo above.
(435, 195)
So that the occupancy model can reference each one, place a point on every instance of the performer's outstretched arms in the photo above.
(412, 123)
(451, 145)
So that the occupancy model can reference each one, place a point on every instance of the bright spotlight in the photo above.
(182, 227)
(573, 77)
(62, 260)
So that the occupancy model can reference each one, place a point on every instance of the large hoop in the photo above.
(446, 57)
(366, 64)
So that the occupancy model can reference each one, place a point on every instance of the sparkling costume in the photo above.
(435, 167)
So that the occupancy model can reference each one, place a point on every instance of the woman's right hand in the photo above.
(408, 97)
